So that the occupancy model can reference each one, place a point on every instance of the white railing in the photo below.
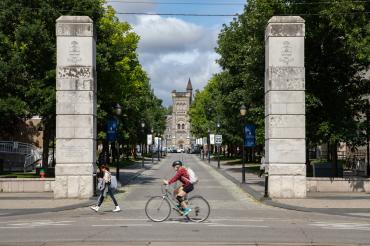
(32, 155)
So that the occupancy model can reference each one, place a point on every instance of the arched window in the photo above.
(183, 126)
(178, 126)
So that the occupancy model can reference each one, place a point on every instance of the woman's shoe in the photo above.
(95, 208)
(116, 209)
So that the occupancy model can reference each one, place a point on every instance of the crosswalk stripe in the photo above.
(125, 225)
(224, 225)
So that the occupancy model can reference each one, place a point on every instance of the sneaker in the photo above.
(186, 211)
(116, 209)
(95, 208)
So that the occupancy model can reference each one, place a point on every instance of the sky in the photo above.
(173, 49)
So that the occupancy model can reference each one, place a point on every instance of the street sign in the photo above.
(149, 139)
(200, 141)
(112, 125)
(212, 138)
(204, 141)
(218, 139)
(249, 135)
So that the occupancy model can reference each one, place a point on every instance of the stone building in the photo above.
(177, 133)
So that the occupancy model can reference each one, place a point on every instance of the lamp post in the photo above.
(117, 109)
(151, 146)
(243, 112)
(142, 144)
(158, 146)
(209, 146)
(218, 146)
(367, 137)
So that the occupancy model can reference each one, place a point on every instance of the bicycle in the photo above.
(158, 208)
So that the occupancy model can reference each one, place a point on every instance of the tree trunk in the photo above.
(45, 146)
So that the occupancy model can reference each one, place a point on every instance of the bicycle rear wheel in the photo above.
(200, 209)
(158, 208)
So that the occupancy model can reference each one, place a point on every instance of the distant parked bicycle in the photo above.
(158, 208)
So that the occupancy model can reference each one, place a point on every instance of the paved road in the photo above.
(235, 218)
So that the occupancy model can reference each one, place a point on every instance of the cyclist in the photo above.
(181, 175)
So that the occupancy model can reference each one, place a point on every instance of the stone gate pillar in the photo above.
(75, 107)
(285, 142)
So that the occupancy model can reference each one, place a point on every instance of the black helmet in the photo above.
(175, 163)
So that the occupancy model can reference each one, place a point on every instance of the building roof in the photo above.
(189, 86)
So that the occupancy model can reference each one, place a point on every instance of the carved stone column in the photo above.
(285, 140)
(75, 107)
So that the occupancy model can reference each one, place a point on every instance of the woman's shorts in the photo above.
(188, 188)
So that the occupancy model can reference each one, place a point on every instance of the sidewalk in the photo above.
(29, 203)
(345, 204)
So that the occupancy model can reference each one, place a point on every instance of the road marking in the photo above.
(126, 219)
(252, 226)
(360, 214)
(124, 225)
(342, 226)
(34, 224)
(250, 220)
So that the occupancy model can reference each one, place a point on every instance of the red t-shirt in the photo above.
(182, 175)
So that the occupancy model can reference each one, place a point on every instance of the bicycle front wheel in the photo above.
(158, 208)
(200, 209)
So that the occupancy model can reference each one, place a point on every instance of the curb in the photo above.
(90, 202)
(268, 201)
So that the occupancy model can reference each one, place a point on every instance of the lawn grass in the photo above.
(18, 175)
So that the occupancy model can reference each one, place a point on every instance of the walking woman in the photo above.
(105, 187)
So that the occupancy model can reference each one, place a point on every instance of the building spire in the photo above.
(189, 86)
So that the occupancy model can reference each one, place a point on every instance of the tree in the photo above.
(337, 57)
(28, 61)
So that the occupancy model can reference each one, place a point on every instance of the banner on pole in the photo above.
(149, 139)
(112, 125)
(212, 138)
(249, 135)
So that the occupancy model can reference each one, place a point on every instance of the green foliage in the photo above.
(28, 61)
(337, 53)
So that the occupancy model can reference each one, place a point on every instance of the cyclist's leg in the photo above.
(186, 190)
(175, 191)
(181, 197)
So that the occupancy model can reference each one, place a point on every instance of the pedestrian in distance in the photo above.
(263, 166)
(105, 185)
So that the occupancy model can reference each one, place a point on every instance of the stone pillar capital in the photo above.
(285, 26)
(72, 26)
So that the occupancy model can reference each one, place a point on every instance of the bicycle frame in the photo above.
(169, 195)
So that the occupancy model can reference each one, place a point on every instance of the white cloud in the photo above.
(171, 50)
(166, 34)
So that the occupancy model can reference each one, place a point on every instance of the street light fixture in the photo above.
(243, 112)
(142, 144)
(117, 108)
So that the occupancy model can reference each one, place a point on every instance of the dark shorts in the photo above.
(188, 188)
